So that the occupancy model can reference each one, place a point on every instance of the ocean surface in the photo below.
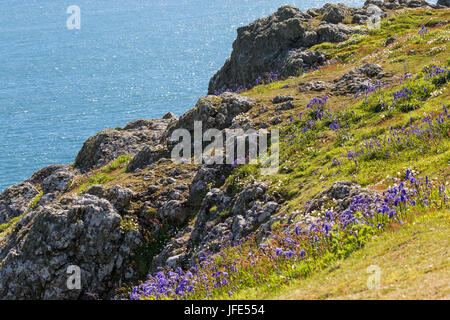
(130, 59)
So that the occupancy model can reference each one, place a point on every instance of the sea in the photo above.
(71, 68)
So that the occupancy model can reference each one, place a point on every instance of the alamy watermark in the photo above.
(74, 20)
(374, 280)
(231, 146)
(74, 277)
(376, 13)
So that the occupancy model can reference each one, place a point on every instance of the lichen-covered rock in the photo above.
(118, 196)
(313, 86)
(334, 32)
(269, 45)
(340, 194)
(281, 99)
(279, 43)
(213, 112)
(14, 200)
(358, 80)
(148, 155)
(396, 4)
(57, 180)
(108, 144)
(297, 61)
(170, 116)
(39, 176)
(174, 212)
(222, 218)
(78, 231)
(335, 13)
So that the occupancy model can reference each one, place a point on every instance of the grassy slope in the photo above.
(414, 263)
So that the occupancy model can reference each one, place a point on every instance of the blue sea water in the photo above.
(130, 59)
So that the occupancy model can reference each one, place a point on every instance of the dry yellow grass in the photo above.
(414, 264)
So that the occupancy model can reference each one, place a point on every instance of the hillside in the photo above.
(364, 158)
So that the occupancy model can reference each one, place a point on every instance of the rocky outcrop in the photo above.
(276, 43)
(396, 4)
(358, 80)
(335, 13)
(213, 112)
(57, 180)
(354, 81)
(81, 231)
(14, 200)
(108, 144)
(118, 196)
(444, 3)
(222, 218)
(340, 195)
(279, 42)
(145, 157)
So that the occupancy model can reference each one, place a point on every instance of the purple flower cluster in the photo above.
(294, 243)
(318, 101)
(428, 131)
(370, 89)
(423, 31)
(437, 75)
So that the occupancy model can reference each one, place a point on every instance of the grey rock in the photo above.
(14, 200)
(281, 99)
(233, 218)
(335, 13)
(170, 116)
(271, 44)
(38, 177)
(145, 157)
(174, 212)
(313, 86)
(342, 193)
(118, 196)
(108, 144)
(79, 231)
(285, 106)
(445, 3)
(57, 181)
(276, 120)
(213, 112)
(357, 80)
(334, 32)
(297, 61)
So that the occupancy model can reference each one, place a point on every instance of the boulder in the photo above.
(335, 13)
(118, 196)
(213, 112)
(57, 181)
(78, 232)
(281, 99)
(145, 157)
(269, 45)
(108, 144)
(14, 200)
(170, 116)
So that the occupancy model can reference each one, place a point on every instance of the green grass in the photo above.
(120, 162)
(414, 263)
(98, 178)
(7, 227)
(313, 160)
